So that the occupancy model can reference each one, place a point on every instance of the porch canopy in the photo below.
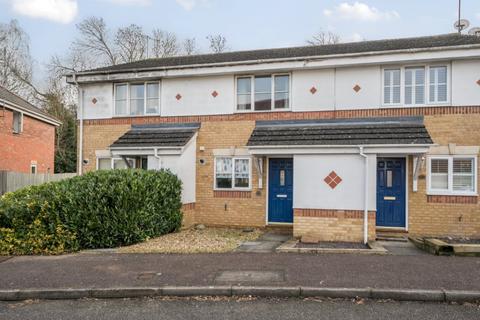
(154, 139)
(400, 135)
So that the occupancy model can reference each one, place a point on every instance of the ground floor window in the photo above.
(453, 175)
(114, 163)
(232, 173)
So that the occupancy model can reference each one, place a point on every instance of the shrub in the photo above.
(100, 209)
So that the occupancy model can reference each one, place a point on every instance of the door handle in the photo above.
(281, 195)
(389, 198)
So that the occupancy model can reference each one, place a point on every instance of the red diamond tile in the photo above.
(214, 94)
(333, 180)
(178, 96)
(94, 100)
(357, 88)
(313, 90)
(478, 82)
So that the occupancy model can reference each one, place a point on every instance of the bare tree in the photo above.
(16, 63)
(131, 43)
(322, 37)
(218, 43)
(165, 44)
(190, 46)
(95, 39)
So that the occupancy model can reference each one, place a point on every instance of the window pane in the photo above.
(121, 92)
(244, 102)
(386, 95)
(396, 94)
(439, 173)
(263, 84)
(463, 175)
(263, 101)
(137, 91)
(419, 94)
(244, 85)
(281, 83)
(120, 107)
(153, 105)
(396, 77)
(153, 90)
(408, 77)
(136, 106)
(223, 173)
(442, 93)
(281, 100)
(104, 164)
(408, 95)
(242, 173)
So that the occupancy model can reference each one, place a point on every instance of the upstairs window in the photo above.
(391, 86)
(137, 99)
(263, 93)
(438, 84)
(232, 173)
(453, 175)
(17, 124)
(414, 85)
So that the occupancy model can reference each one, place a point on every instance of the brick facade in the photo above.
(34, 145)
(460, 125)
(332, 225)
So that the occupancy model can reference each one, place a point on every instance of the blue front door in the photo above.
(390, 192)
(280, 190)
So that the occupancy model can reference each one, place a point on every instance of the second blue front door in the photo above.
(391, 192)
(280, 190)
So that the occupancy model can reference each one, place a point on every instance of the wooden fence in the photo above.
(11, 181)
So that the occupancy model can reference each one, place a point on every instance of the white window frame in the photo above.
(427, 101)
(447, 85)
(128, 84)
(233, 188)
(252, 93)
(391, 91)
(414, 85)
(450, 190)
(20, 130)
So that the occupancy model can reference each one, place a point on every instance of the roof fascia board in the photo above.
(371, 149)
(29, 113)
(340, 60)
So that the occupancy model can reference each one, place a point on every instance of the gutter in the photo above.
(365, 209)
(80, 142)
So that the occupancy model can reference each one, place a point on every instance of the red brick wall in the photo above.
(35, 144)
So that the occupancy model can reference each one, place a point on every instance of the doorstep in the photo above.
(291, 246)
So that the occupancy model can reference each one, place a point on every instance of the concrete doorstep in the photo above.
(263, 291)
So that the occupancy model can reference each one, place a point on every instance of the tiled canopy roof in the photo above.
(163, 135)
(445, 40)
(363, 131)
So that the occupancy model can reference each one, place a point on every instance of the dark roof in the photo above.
(13, 99)
(445, 40)
(157, 135)
(362, 131)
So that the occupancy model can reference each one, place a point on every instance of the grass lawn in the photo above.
(209, 240)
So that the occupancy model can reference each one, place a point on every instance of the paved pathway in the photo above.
(325, 270)
(267, 242)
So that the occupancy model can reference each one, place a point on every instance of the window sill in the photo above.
(263, 111)
(136, 116)
(221, 193)
(455, 199)
(453, 194)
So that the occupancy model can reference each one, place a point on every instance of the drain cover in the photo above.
(148, 275)
(250, 276)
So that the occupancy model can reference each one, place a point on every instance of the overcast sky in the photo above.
(247, 24)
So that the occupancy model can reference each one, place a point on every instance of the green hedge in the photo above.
(101, 209)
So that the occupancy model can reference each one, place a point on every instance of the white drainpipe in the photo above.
(365, 209)
(155, 154)
(80, 140)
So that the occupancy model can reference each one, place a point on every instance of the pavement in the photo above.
(234, 308)
(267, 242)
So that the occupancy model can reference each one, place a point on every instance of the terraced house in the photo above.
(339, 141)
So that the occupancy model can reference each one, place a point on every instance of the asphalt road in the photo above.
(234, 308)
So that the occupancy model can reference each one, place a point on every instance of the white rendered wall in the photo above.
(369, 80)
(465, 89)
(303, 81)
(311, 192)
(183, 166)
(103, 94)
(197, 96)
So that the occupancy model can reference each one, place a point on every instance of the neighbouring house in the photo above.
(336, 141)
(27, 136)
